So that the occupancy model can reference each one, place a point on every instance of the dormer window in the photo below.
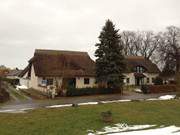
(140, 69)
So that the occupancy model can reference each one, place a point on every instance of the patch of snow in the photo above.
(171, 130)
(167, 97)
(23, 110)
(59, 106)
(138, 90)
(120, 128)
(115, 101)
(124, 129)
(19, 87)
(89, 103)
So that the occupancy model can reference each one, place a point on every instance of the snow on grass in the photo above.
(124, 129)
(138, 90)
(89, 103)
(19, 87)
(120, 128)
(16, 110)
(167, 97)
(115, 101)
(59, 106)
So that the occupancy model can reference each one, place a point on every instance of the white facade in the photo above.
(36, 82)
(148, 79)
(80, 82)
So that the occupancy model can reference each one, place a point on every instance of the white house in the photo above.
(62, 69)
(140, 71)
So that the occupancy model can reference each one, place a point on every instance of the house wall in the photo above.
(80, 82)
(150, 76)
(24, 80)
(132, 78)
(34, 81)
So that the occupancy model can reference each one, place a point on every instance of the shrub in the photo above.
(162, 88)
(158, 81)
(11, 81)
(106, 116)
(4, 95)
(145, 89)
(89, 91)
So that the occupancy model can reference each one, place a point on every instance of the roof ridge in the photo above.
(58, 51)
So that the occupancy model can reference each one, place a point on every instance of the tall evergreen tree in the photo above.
(110, 62)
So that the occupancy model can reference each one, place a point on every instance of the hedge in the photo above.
(4, 95)
(89, 91)
(158, 88)
(11, 81)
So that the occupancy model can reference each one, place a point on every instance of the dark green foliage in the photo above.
(158, 81)
(89, 91)
(11, 81)
(145, 89)
(4, 95)
(110, 62)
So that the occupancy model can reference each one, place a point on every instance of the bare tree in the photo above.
(140, 43)
(170, 50)
(129, 38)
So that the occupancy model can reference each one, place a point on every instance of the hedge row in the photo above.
(4, 95)
(90, 91)
(158, 88)
(11, 81)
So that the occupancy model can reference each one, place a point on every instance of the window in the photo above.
(140, 69)
(50, 81)
(86, 80)
(147, 80)
(153, 80)
(127, 80)
(43, 82)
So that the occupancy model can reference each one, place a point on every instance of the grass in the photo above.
(34, 94)
(76, 121)
(16, 93)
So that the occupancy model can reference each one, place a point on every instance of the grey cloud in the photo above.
(73, 25)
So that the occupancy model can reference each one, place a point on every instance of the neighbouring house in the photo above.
(140, 71)
(14, 74)
(62, 69)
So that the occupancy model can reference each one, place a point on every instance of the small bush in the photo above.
(4, 95)
(145, 89)
(89, 91)
(106, 116)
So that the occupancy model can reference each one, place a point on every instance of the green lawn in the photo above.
(76, 121)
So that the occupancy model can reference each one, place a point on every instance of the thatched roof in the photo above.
(133, 61)
(62, 63)
(73, 64)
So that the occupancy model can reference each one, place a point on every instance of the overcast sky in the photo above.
(73, 24)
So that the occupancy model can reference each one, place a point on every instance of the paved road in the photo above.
(20, 105)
